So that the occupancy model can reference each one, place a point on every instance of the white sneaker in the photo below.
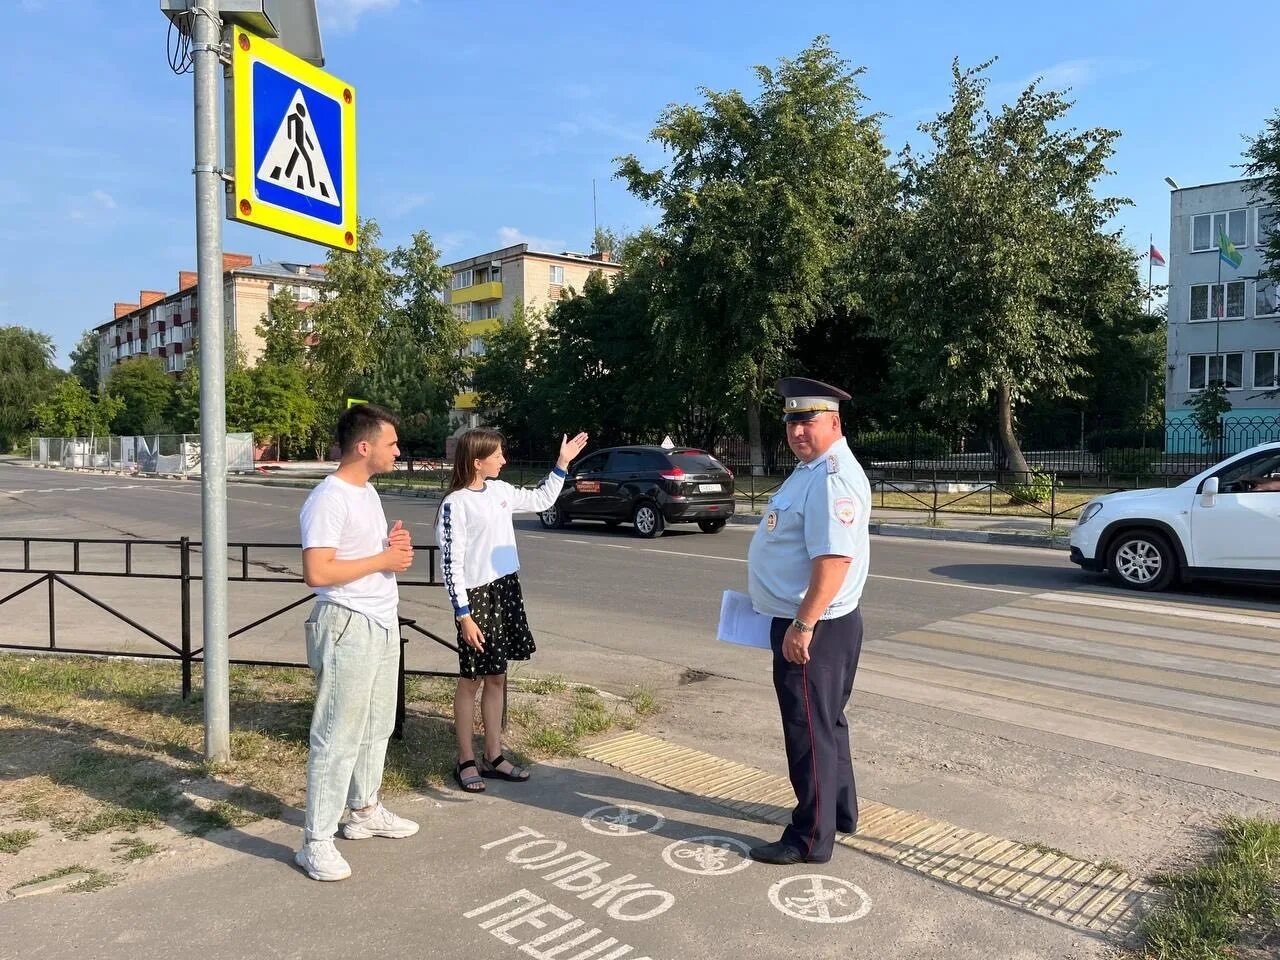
(380, 823)
(320, 860)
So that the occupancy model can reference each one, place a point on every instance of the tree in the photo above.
(998, 225)
(605, 240)
(508, 381)
(384, 318)
(71, 411)
(27, 376)
(1263, 162)
(281, 330)
(148, 394)
(761, 200)
(84, 360)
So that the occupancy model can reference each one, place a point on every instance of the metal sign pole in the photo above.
(206, 38)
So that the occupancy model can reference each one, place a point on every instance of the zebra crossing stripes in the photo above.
(1199, 683)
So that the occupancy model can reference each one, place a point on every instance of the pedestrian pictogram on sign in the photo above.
(294, 160)
(293, 145)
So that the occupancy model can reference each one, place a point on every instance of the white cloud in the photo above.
(107, 201)
(408, 203)
(1066, 74)
(510, 236)
(341, 15)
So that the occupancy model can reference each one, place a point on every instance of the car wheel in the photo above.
(1142, 560)
(648, 521)
(553, 518)
(711, 526)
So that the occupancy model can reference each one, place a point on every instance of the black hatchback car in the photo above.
(647, 487)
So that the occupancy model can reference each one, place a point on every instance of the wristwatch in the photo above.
(801, 626)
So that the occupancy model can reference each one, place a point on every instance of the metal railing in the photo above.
(178, 568)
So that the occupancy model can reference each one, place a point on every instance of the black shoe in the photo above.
(782, 854)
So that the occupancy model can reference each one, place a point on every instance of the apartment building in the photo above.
(1224, 321)
(485, 289)
(163, 325)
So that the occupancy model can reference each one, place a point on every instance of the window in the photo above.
(476, 312)
(591, 464)
(636, 461)
(1256, 474)
(1266, 298)
(1207, 368)
(557, 274)
(463, 278)
(1206, 227)
(1268, 220)
(1266, 372)
(1206, 301)
(493, 311)
(495, 274)
(477, 347)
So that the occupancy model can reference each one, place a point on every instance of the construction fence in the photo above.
(164, 454)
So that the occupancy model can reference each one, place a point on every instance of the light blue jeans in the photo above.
(356, 661)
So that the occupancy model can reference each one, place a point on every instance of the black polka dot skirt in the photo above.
(498, 610)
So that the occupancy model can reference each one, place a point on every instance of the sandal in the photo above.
(518, 773)
(469, 782)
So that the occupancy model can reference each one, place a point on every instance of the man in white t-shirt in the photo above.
(350, 560)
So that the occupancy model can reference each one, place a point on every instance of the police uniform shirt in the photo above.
(821, 509)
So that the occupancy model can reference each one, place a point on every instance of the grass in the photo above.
(96, 879)
(103, 747)
(643, 701)
(1227, 907)
(1044, 848)
(133, 849)
(15, 841)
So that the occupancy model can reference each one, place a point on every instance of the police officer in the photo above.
(807, 567)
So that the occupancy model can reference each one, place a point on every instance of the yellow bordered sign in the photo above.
(293, 145)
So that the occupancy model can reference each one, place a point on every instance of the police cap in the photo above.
(804, 399)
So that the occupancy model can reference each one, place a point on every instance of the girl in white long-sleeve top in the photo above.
(478, 558)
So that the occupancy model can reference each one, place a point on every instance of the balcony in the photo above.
(477, 292)
(480, 328)
(466, 401)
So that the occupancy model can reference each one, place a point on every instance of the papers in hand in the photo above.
(740, 624)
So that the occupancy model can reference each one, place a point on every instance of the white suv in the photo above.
(1222, 524)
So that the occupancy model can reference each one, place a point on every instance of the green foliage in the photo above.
(1130, 461)
(384, 326)
(71, 411)
(1037, 488)
(764, 204)
(999, 230)
(281, 330)
(27, 376)
(1208, 407)
(1262, 158)
(84, 360)
(148, 394)
(1208, 906)
(899, 445)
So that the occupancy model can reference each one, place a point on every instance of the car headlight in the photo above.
(1090, 511)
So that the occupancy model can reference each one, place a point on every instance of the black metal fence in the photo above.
(174, 564)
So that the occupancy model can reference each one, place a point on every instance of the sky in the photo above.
(487, 124)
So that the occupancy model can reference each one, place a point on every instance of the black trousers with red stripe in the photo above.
(812, 698)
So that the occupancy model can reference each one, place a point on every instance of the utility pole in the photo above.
(206, 48)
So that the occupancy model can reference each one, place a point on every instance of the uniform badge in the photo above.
(845, 511)
(771, 520)
(833, 465)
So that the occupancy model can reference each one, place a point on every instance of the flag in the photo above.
(1227, 250)
(1157, 257)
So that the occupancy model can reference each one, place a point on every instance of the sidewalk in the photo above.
(585, 860)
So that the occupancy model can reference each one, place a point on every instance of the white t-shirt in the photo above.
(477, 540)
(350, 518)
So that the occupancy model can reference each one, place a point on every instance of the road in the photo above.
(1000, 688)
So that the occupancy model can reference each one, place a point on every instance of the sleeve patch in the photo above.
(845, 511)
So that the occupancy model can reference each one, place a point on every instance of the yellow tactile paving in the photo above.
(1068, 890)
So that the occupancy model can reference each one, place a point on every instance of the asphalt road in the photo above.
(1000, 688)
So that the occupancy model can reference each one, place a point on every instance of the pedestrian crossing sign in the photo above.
(292, 145)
